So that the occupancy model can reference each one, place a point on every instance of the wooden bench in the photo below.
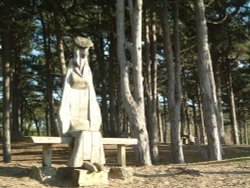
(47, 143)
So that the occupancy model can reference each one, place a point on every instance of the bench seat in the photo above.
(48, 141)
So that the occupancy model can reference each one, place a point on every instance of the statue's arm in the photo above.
(64, 111)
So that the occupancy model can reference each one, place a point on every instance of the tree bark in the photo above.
(150, 85)
(195, 123)
(165, 131)
(49, 78)
(234, 123)
(134, 105)
(102, 70)
(6, 96)
(220, 110)
(160, 127)
(61, 56)
(60, 46)
(15, 88)
(245, 125)
(174, 82)
(114, 122)
(207, 84)
(201, 117)
(185, 115)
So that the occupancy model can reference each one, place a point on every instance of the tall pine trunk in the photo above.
(151, 83)
(219, 97)
(6, 96)
(16, 89)
(49, 66)
(102, 69)
(60, 49)
(234, 123)
(134, 104)
(203, 136)
(60, 46)
(114, 123)
(207, 84)
(174, 82)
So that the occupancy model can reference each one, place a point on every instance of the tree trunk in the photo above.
(160, 127)
(134, 105)
(245, 126)
(113, 97)
(234, 123)
(16, 90)
(201, 117)
(150, 86)
(102, 70)
(220, 110)
(153, 50)
(49, 78)
(196, 124)
(60, 48)
(174, 82)
(49, 91)
(165, 131)
(186, 129)
(6, 96)
(207, 84)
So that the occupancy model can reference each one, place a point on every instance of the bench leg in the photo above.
(47, 155)
(121, 155)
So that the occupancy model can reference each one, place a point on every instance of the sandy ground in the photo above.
(234, 171)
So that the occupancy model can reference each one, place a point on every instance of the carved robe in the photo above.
(80, 115)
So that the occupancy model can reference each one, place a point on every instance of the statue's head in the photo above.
(82, 45)
(83, 42)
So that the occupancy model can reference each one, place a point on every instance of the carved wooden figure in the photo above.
(79, 111)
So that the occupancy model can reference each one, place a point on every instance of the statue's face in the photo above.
(84, 52)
